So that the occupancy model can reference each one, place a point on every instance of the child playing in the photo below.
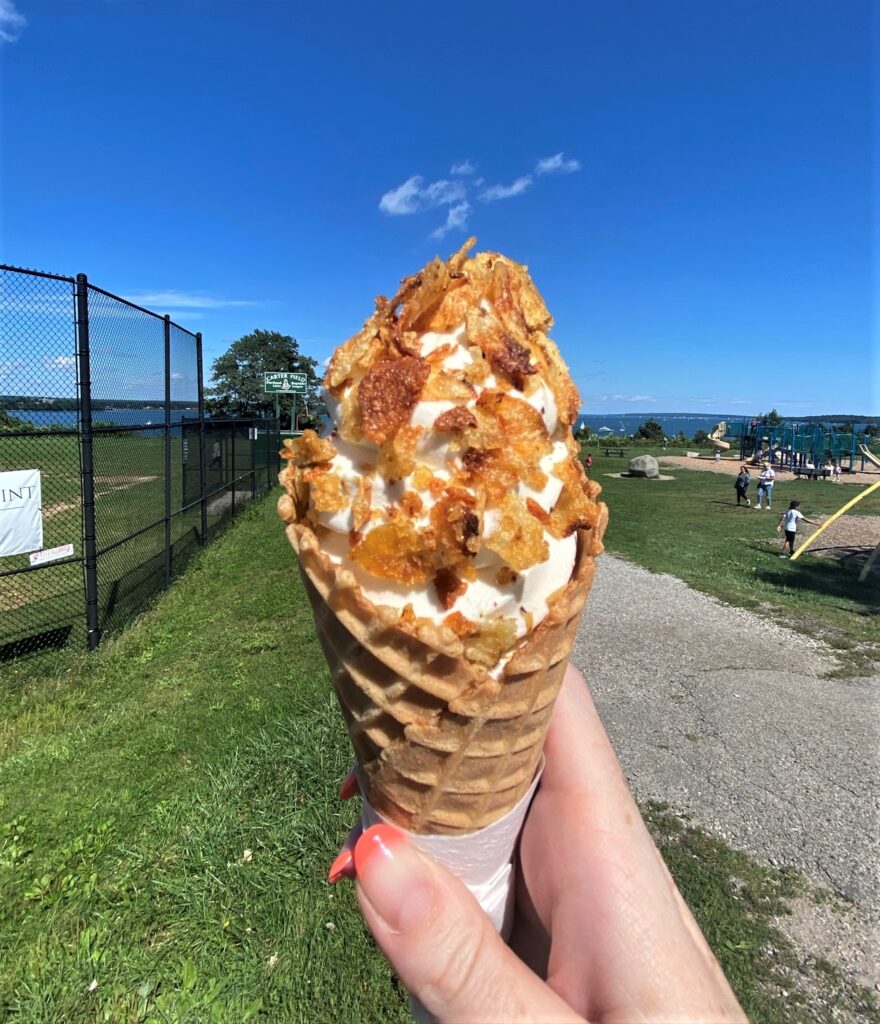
(789, 520)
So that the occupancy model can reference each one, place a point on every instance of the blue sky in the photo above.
(689, 182)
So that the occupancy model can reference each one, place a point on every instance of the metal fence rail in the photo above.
(106, 400)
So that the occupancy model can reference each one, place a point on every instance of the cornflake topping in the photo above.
(460, 476)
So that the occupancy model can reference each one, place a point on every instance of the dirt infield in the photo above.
(850, 539)
(731, 467)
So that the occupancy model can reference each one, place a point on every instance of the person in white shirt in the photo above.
(765, 485)
(788, 521)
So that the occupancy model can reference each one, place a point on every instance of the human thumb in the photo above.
(441, 943)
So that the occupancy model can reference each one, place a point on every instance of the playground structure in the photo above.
(793, 445)
(715, 437)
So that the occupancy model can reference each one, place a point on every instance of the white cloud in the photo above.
(177, 376)
(411, 197)
(11, 22)
(58, 362)
(464, 167)
(439, 193)
(557, 164)
(625, 398)
(186, 300)
(456, 218)
(404, 198)
(517, 188)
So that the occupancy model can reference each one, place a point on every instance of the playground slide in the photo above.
(869, 455)
(716, 435)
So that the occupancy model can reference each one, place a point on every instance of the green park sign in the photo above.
(285, 383)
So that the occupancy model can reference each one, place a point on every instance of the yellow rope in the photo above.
(831, 519)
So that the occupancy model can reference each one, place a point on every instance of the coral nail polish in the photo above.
(342, 867)
(378, 841)
(348, 786)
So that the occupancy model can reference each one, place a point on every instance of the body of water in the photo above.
(118, 417)
(672, 423)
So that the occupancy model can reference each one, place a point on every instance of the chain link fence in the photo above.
(111, 476)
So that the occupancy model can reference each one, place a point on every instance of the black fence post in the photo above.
(253, 434)
(203, 504)
(167, 323)
(93, 631)
(232, 461)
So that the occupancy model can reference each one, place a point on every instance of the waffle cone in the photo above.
(442, 746)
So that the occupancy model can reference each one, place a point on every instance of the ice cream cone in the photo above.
(443, 746)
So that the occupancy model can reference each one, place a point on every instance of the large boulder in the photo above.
(644, 465)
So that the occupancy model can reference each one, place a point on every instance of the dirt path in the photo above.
(728, 717)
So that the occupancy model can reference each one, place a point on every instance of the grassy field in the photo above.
(691, 527)
(168, 812)
(129, 473)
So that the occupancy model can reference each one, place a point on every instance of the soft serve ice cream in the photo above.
(450, 484)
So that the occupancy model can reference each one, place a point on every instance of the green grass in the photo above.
(133, 781)
(691, 527)
(129, 496)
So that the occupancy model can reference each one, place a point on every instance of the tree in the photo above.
(771, 419)
(701, 437)
(650, 430)
(238, 378)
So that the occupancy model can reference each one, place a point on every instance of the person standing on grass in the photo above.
(588, 463)
(765, 485)
(788, 521)
(744, 478)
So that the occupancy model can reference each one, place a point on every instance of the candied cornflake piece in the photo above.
(420, 294)
(449, 587)
(518, 538)
(422, 477)
(361, 506)
(455, 420)
(505, 575)
(492, 471)
(308, 450)
(574, 508)
(447, 385)
(408, 615)
(494, 638)
(387, 395)
(437, 355)
(511, 357)
(328, 492)
(477, 372)
(396, 551)
(541, 514)
(396, 458)
(356, 355)
(411, 504)
(460, 625)
(529, 620)
(522, 425)
(456, 524)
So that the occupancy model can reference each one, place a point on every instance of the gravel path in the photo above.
(728, 717)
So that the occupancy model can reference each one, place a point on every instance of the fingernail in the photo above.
(349, 786)
(342, 867)
(393, 877)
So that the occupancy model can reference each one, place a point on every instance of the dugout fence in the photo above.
(102, 417)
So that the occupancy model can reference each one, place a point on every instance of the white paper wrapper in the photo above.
(483, 860)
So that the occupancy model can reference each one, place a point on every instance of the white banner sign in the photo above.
(21, 512)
